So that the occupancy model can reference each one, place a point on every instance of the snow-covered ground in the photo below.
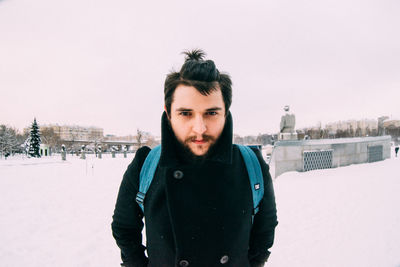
(56, 213)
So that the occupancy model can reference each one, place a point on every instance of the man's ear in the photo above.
(166, 112)
(227, 113)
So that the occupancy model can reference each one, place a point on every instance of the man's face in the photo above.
(197, 120)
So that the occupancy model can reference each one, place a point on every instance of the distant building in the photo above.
(111, 137)
(74, 133)
(45, 150)
(392, 127)
(390, 123)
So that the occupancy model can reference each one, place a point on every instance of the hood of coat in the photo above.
(173, 153)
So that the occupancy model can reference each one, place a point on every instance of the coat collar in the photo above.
(172, 152)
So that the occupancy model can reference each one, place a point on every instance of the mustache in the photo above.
(204, 137)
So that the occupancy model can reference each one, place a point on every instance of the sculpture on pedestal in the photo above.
(288, 121)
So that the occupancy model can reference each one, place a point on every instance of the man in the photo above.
(198, 209)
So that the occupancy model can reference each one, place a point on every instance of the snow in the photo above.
(59, 213)
(346, 216)
(56, 213)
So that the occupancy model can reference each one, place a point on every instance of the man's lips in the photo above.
(199, 142)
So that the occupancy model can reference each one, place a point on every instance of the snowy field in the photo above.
(56, 213)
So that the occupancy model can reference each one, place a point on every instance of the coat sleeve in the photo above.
(127, 221)
(265, 221)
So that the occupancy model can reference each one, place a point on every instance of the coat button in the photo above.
(183, 263)
(224, 259)
(178, 174)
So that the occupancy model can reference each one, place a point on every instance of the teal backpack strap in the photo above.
(255, 175)
(147, 173)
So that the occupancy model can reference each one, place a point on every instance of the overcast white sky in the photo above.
(103, 63)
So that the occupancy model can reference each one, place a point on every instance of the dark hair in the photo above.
(202, 75)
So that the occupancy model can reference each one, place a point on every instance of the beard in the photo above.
(188, 154)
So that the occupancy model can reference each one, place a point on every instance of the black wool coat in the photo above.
(196, 213)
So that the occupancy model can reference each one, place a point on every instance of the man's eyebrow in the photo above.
(189, 109)
(183, 109)
(214, 109)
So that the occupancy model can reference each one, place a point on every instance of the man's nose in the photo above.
(199, 126)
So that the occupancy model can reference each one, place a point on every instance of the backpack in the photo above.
(252, 165)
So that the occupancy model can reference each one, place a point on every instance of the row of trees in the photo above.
(261, 139)
(323, 133)
(11, 141)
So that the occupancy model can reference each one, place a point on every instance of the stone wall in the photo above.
(289, 155)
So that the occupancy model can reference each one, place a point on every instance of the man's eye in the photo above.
(211, 113)
(185, 113)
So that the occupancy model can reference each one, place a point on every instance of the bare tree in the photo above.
(51, 138)
(139, 138)
(151, 141)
